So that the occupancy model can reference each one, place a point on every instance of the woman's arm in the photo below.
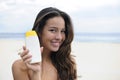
(19, 72)
(20, 68)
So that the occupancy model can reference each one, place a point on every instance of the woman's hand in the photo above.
(26, 57)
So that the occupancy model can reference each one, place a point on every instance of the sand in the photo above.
(95, 60)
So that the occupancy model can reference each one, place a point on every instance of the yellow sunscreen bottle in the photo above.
(33, 45)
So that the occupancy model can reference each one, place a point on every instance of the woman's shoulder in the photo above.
(19, 70)
(19, 64)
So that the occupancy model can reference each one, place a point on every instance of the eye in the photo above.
(63, 31)
(52, 30)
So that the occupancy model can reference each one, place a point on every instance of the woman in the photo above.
(55, 31)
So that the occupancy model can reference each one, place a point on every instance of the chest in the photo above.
(48, 73)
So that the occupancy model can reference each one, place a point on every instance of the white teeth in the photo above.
(56, 44)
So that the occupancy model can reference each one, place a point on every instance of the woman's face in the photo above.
(53, 34)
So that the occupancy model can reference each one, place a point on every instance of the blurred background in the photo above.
(96, 43)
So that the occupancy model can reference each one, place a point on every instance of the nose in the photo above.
(59, 36)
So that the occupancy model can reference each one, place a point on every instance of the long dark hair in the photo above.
(62, 59)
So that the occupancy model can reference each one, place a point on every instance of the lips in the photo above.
(56, 44)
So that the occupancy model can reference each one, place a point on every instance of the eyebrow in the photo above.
(52, 27)
(57, 28)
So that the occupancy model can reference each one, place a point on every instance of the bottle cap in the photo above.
(30, 33)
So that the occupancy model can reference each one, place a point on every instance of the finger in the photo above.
(20, 51)
(28, 56)
(28, 60)
(25, 52)
(24, 47)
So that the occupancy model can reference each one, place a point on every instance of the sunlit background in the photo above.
(96, 26)
(92, 19)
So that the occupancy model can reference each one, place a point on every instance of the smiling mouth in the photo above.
(56, 44)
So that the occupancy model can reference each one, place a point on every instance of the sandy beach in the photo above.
(95, 60)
